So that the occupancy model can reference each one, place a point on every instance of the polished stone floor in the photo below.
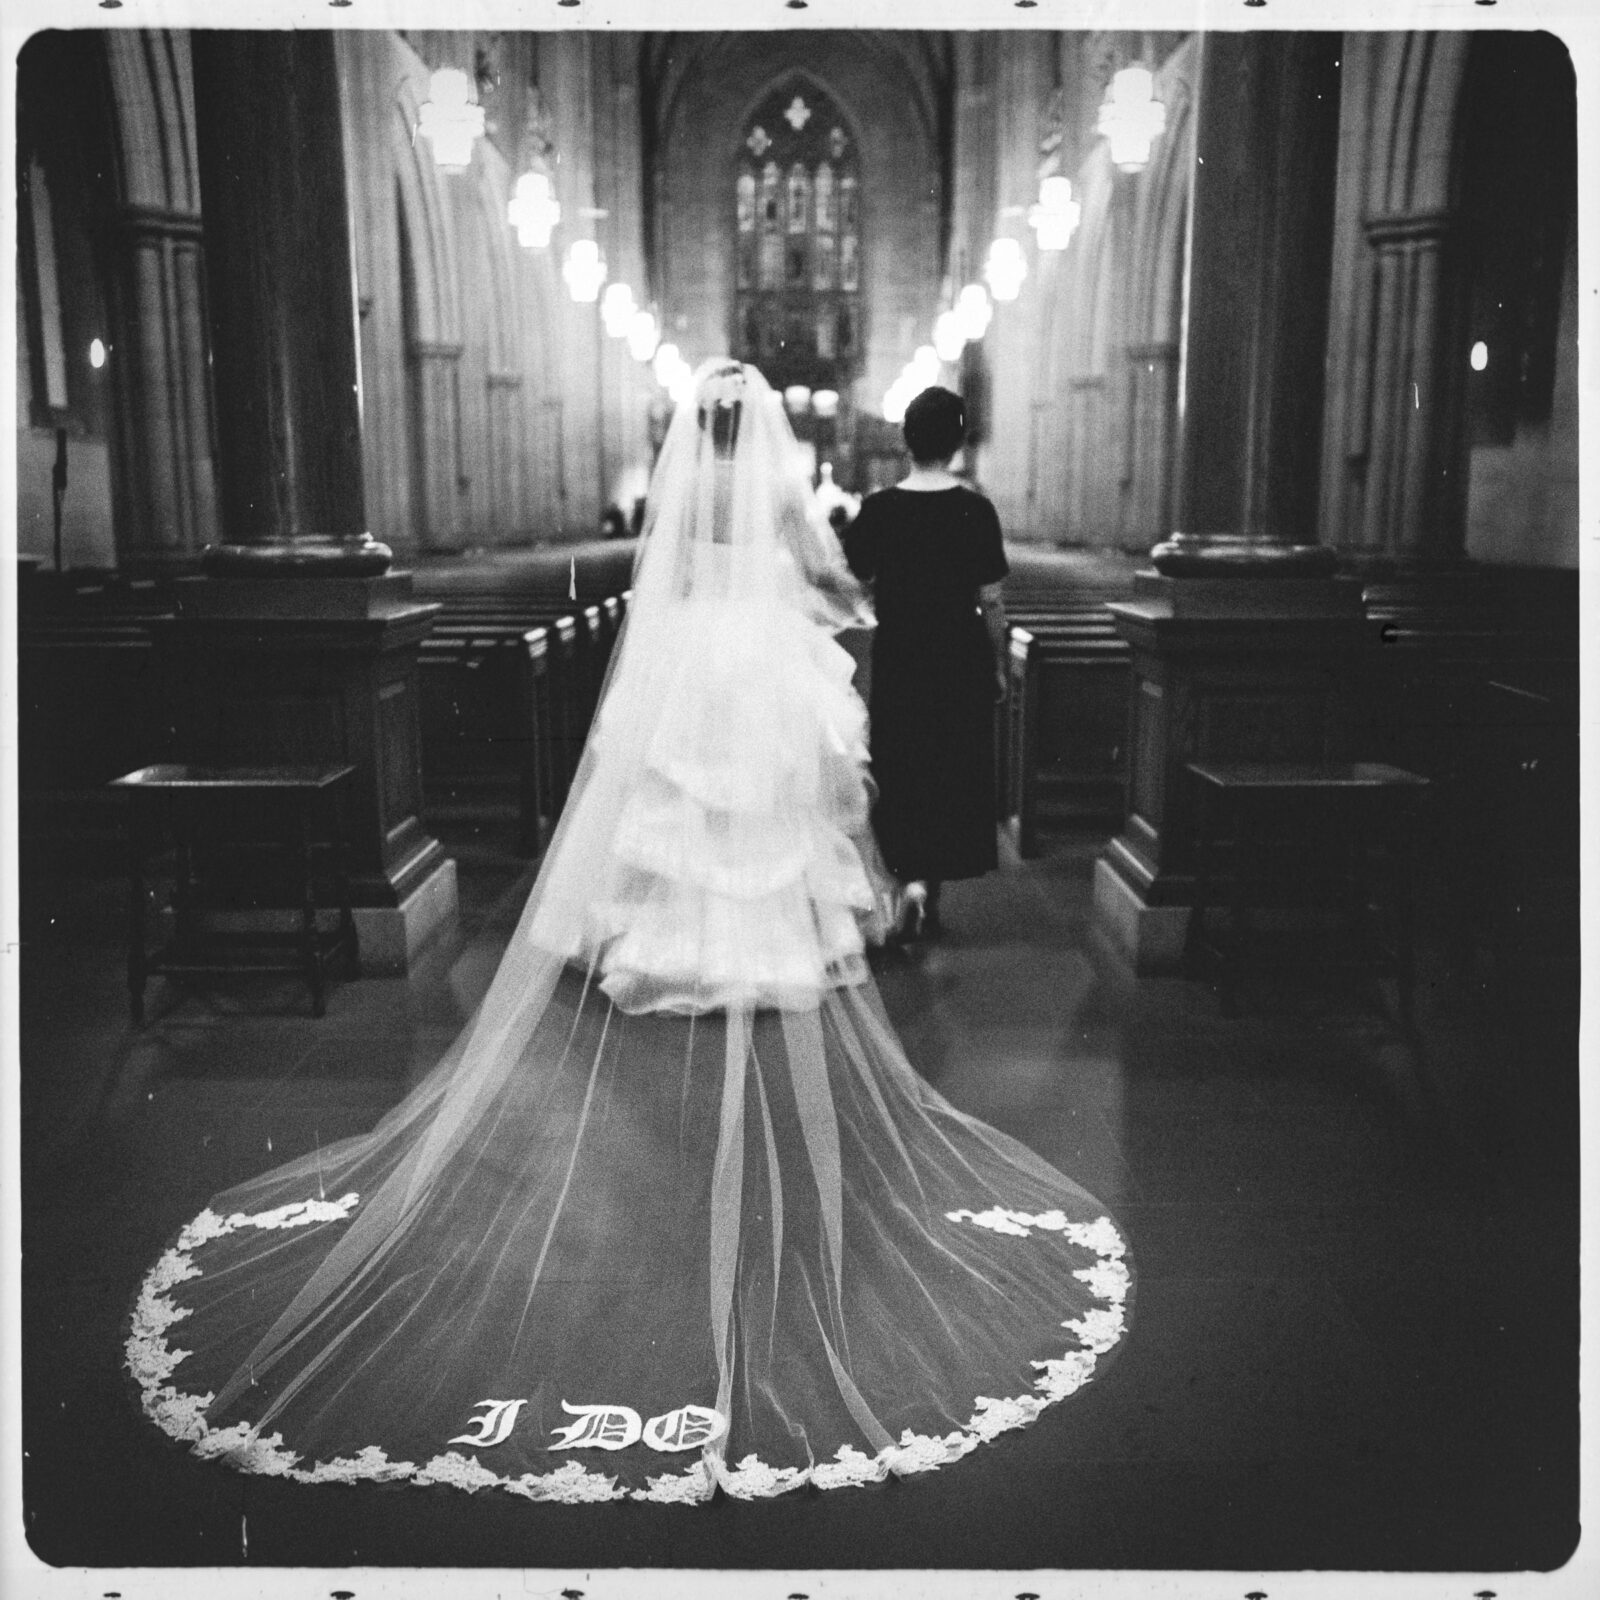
(1355, 1342)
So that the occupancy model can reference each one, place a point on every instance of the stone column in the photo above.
(1412, 444)
(298, 646)
(1152, 376)
(1242, 638)
(281, 301)
(1258, 269)
(436, 372)
(1395, 453)
(566, 72)
(507, 430)
(165, 486)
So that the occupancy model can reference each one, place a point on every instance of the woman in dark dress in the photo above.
(932, 551)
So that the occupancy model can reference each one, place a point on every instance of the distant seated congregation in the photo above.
(366, 380)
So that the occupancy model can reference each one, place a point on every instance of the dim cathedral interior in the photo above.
(343, 359)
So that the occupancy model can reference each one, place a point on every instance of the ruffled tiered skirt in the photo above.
(723, 855)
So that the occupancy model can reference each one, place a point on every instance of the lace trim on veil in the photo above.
(151, 1360)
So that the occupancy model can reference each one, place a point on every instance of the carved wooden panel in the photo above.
(1149, 745)
(399, 773)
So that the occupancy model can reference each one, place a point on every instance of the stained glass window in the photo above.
(827, 265)
(798, 242)
(825, 215)
(799, 199)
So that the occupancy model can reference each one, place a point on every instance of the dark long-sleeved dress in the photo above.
(926, 554)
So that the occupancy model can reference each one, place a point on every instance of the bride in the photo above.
(674, 1213)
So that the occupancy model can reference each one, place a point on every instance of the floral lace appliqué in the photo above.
(571, 1484)
(680, 1488)
(849, 1466)
(753, 1479)
(1098, 1330)
(370, 1466)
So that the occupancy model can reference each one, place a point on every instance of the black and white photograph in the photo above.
(790, 799)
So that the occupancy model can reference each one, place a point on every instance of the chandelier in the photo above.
(451, 118)
(1131, 118)
(1005, 269)
(534, 210)
(584, 271)
(1055, 218)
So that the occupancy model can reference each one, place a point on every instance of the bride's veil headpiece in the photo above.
(731, 514)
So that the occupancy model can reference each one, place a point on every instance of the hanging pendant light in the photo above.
(975, 311)
(1131, 119)
(643, 336)
(665, 364)
(1055, 219)
(1005, 269)
(534, 210)
(949, 335)
(584, 271)
(451, 119)
(617, 309)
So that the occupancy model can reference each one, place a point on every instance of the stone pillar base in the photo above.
(270, 671)
(1148, 937)
(391, 937)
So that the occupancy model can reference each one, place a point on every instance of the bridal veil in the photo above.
(674, 1213)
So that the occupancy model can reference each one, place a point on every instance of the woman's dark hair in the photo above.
(720, 417)
(935, 425)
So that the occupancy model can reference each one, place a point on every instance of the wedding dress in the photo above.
(675, 1213)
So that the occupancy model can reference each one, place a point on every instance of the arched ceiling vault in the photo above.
(917, 64)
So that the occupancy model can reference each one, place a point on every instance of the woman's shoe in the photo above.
(913, 912)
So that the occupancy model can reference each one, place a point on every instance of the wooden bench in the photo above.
(293, 812)
(88, 708)
(1062, 755)
(1276, 836)
(507, 705)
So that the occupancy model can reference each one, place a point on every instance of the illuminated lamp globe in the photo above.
(617, 310)
(584, 271)
(949, 336)
(1131, 118)
(1005, 269)
(450, 119)
(643, 336)
(975, 311)
(533, 211)
(1055, 219)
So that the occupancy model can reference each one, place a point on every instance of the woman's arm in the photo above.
(994, 620)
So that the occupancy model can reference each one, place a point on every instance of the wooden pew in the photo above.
(496, 720)
(1063, 751)
(88, 709)
(507, 706)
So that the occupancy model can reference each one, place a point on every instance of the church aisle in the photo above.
(1353, 1346)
